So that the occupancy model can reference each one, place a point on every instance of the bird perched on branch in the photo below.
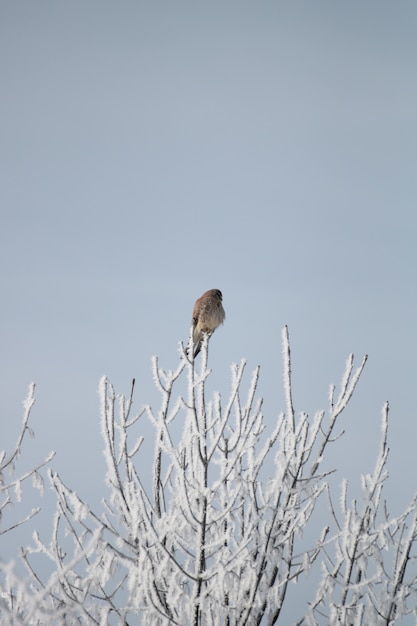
(208, 314)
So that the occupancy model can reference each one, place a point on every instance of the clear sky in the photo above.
(153, 150)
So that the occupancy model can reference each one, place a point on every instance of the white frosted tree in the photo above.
(207, 527)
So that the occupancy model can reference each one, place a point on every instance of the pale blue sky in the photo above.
(153, 150)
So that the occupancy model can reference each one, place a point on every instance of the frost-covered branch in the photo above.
(10, 486)
(15, 595)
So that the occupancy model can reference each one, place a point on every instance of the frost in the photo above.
(38, 482)
(220, 527)
(11, 488)
(18, 490)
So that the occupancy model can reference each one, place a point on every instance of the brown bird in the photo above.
(208, 314)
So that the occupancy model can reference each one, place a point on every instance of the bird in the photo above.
(208, 314)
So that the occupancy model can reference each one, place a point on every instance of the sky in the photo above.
(150, 151)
